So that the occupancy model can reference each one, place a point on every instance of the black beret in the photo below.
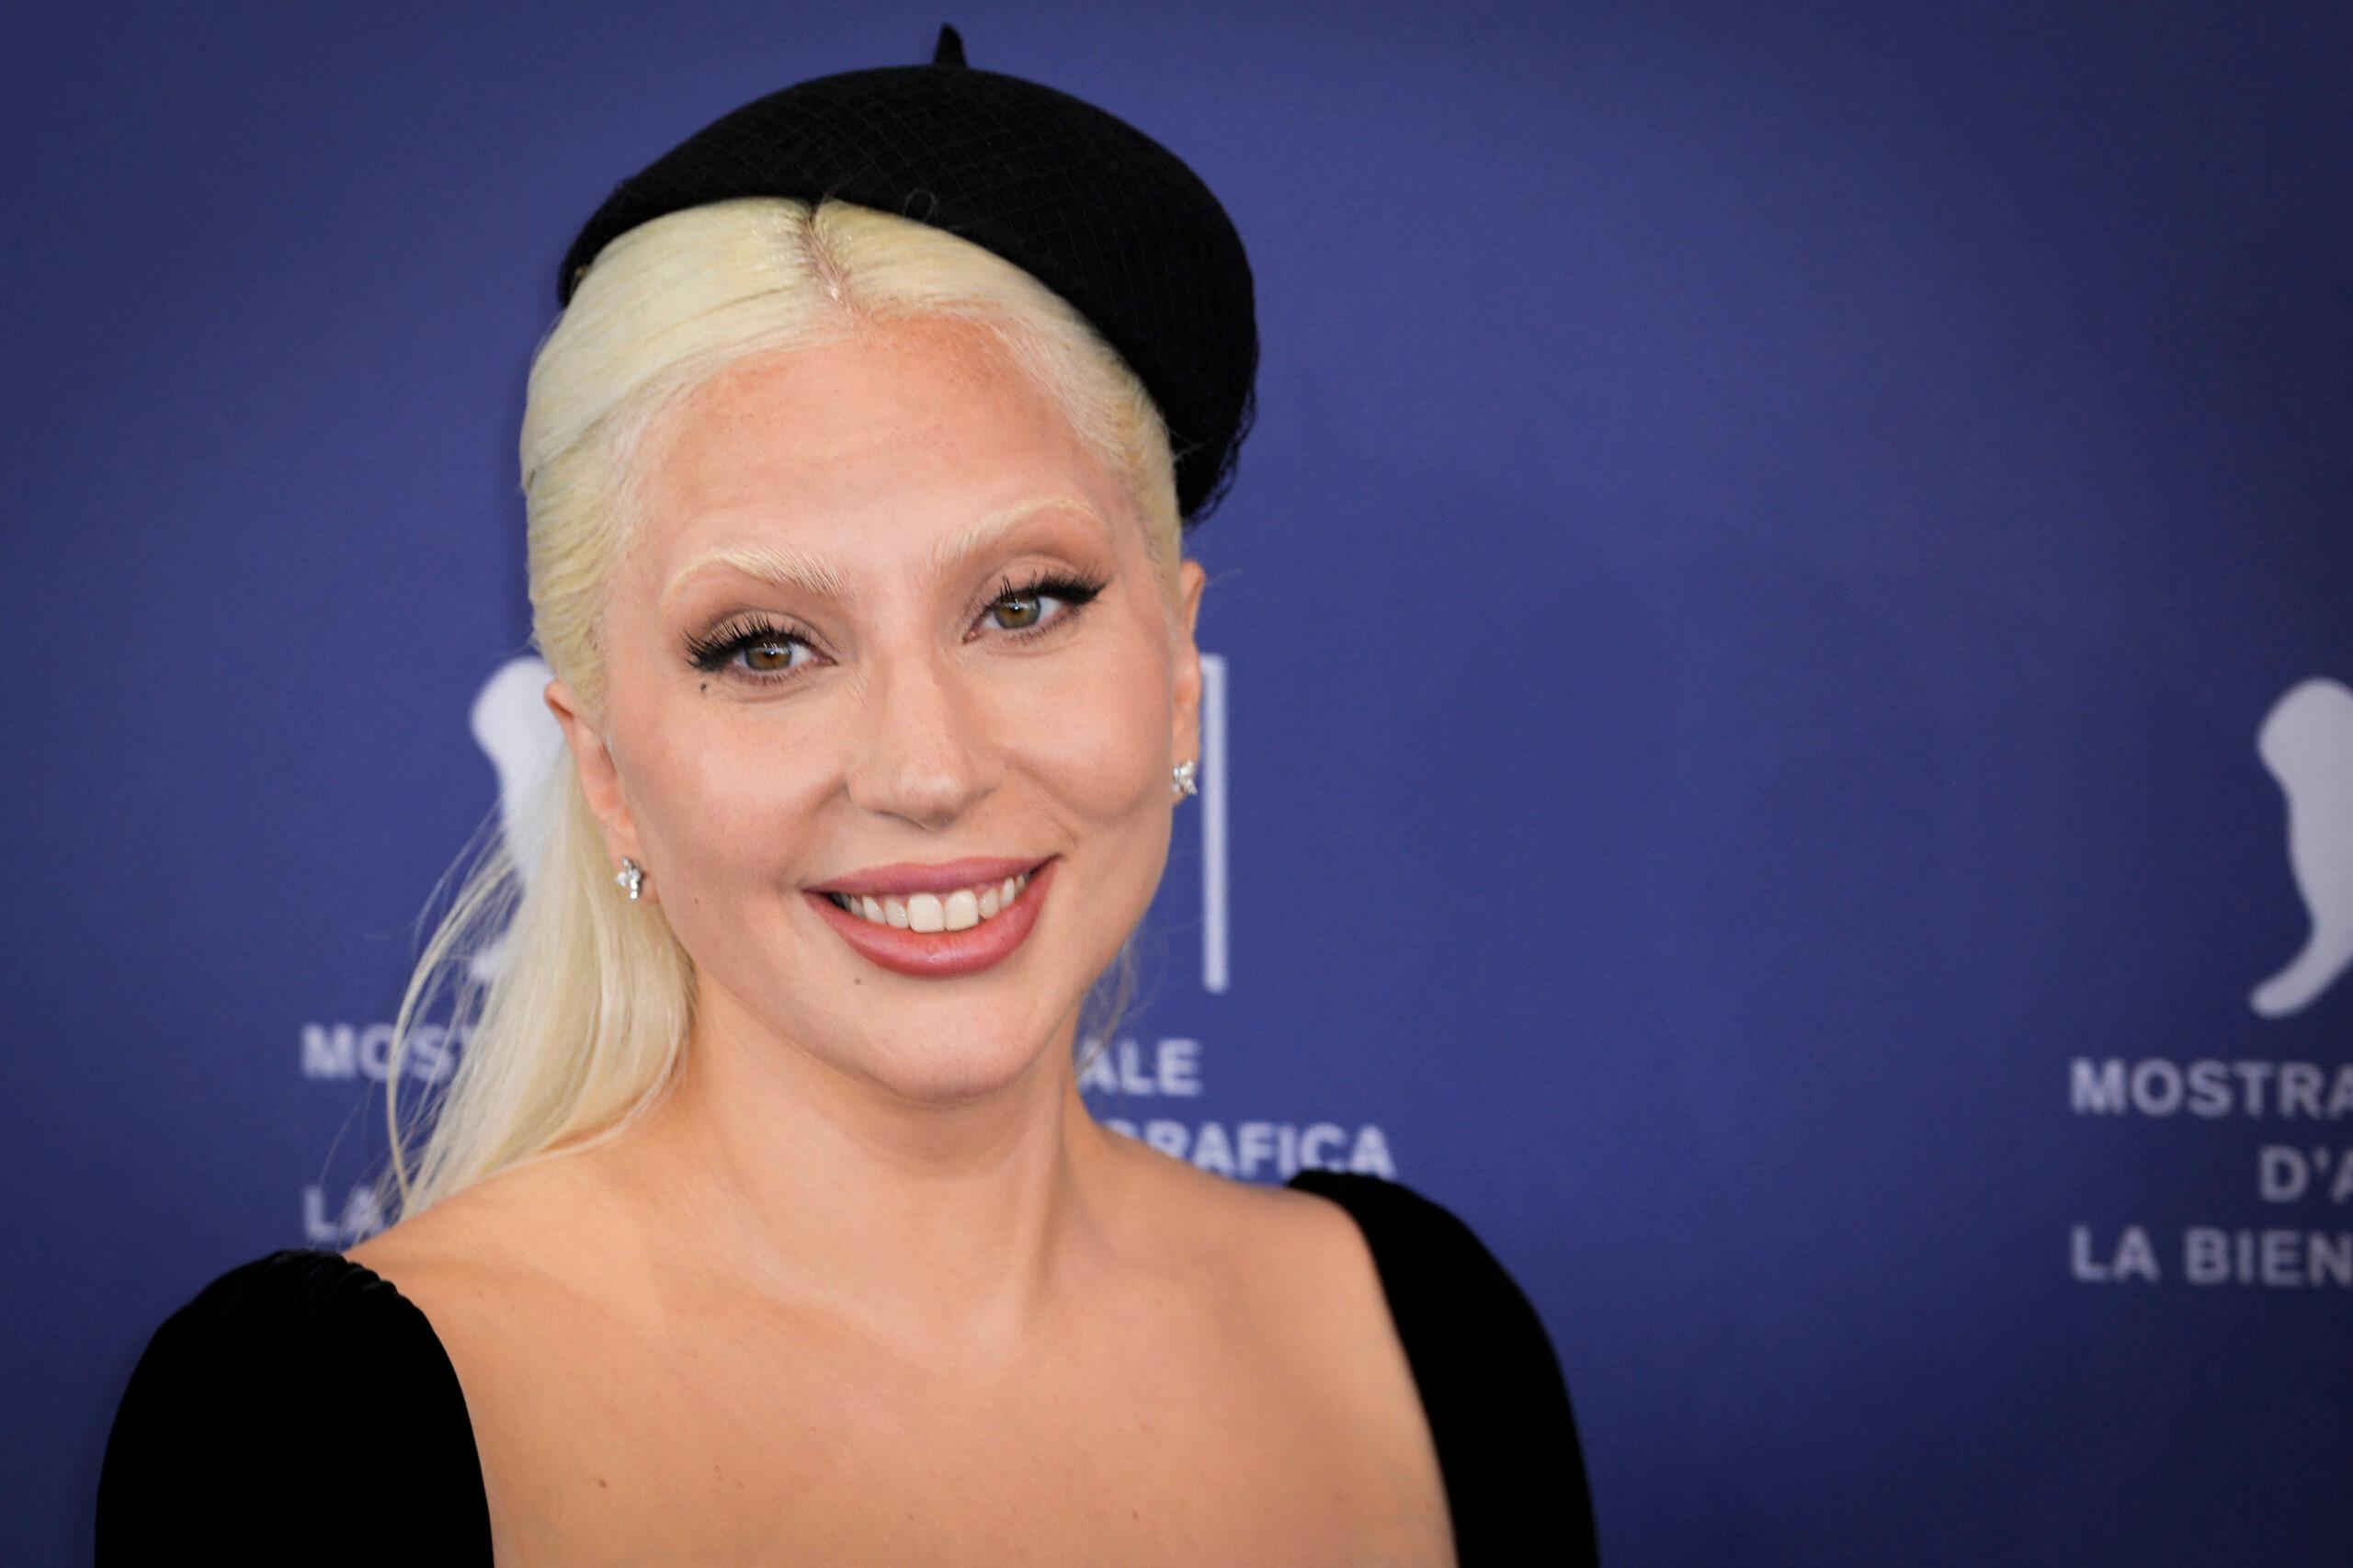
(1089, 206)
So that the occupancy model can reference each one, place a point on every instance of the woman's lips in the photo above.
(937, 955)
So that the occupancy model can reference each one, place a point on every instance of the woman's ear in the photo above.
(1185, 738)
(599, 779)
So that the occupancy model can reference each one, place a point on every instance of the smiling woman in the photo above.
(763, 1219)
(758, 732)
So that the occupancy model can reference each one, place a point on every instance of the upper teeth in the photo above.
(958, 911)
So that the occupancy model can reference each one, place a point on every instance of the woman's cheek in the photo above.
(1094, 740)
(751, 793)
(713, 797)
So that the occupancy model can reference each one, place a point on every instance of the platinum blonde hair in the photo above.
(571, 1003)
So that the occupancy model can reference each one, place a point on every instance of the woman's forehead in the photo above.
(900, 434)
(887, 377)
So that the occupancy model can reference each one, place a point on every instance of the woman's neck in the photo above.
(956, 1226)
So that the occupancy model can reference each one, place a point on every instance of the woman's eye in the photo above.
(763, 654)
(1020, 610)
(760, 653)
(1027, 610)
(771, 656)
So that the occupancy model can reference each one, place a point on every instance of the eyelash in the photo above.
(715, 650)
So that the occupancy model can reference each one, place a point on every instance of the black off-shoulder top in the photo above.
(300, 1391)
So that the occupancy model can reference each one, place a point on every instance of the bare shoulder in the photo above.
(1299, 1268)
(1304, 1295)
(1312, 1246)
(517, 1277)
(490, 1248)
(1320, 1266)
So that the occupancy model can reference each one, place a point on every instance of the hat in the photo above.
(1089, 206)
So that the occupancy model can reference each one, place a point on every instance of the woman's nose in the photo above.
(923, 752)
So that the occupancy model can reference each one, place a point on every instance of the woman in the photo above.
(763, 1220)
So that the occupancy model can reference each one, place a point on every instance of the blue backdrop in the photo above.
(1780, 641)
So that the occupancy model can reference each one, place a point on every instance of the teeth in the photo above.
(958, 911)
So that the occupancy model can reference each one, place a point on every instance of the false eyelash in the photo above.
(1077, 592)
(732, 637)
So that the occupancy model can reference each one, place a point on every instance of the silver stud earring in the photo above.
(1183, 780)
(631, 876)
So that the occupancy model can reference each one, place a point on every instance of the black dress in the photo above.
(301, 1393)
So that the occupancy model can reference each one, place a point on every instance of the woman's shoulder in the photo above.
(296, 1321)
(1415, 1240)
(280, 1398)
(1392, 1212)
(1453, 1301)
(271, 1302)
(1486, 1368)
(313, 1319)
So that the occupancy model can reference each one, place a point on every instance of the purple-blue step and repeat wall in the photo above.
(1780, 672)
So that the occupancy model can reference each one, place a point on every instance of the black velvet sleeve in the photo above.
(298, 1409)
(1490, 1381)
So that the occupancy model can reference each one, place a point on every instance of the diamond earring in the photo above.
(1184, 784)
(631, 876)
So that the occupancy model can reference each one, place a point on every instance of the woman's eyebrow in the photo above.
(784, 567)
(776, 564)
(954, 550)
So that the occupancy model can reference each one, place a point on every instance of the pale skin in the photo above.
(872, 1286)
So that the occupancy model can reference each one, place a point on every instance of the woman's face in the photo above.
(828, 654)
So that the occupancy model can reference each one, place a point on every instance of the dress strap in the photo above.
(1490, 1381)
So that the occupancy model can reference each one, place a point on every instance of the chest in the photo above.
(748, 1446)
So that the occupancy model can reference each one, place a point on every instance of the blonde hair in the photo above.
(571, 1004)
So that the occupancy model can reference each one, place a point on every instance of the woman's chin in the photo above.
(932, 1073)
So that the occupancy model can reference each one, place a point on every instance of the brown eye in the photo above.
(1019, 610)
(1025, 611)
(760, 652)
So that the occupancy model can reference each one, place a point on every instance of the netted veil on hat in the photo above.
(1089, 206)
